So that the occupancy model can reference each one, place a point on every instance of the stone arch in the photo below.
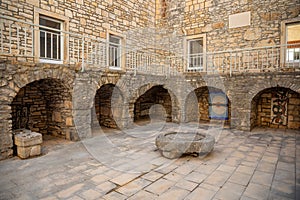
(85, 89)
(172, 111)
(109, 105)
(199, 108)
(155, 95)
(104, 79)
(17, 77)
(276, 107)
(44, 106)
(141, 90)
(286, 82)
(64, 74)
(40, 90)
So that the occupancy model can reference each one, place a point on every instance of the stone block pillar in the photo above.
(83, 102)
(240, 114)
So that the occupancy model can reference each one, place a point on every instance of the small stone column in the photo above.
(28, 143)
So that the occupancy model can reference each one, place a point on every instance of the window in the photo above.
(114, 51)
(195, 54)
(293, 42)
(51, 40)
(50, 44)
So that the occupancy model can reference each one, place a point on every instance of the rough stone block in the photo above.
(68, 104)
(33, 2)
(69, 121)
(26, 152)
(294, 125)
(27, 138)
(28, 143)
(6, 154)
(294, 101)
(57, 117)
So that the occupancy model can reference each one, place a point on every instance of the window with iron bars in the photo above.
(51, 40)
(114, 51)
(195, 54)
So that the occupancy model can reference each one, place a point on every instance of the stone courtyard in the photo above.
(87, 86)
(262, 164)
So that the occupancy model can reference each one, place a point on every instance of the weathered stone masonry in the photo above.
(106, 114)
(156, 95)
(37, 97)
(197, 109)
(59, 100)
(43, 106)
(88, 17)
(211, 18)
(261, 109)
(17, 81)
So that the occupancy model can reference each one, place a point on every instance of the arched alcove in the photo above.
(43, 106)
(276, 107)
(155, 95)
(207, 103)
(108, 105)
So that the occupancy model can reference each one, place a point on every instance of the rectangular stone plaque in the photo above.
(240, 19)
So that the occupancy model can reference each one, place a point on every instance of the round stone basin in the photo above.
(174, 144)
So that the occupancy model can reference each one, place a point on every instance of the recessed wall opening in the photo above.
(44, 106)
(155, 103)
(276, 107)
(108, 106)
(207, 105)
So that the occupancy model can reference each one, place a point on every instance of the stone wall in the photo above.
(241, 89)
(76, 92)
(88, 17)
(29, 109)
(264, 28)
(163, 24)
(209, 17)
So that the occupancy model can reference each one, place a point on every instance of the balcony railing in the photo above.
(260, 59)
(20, 39)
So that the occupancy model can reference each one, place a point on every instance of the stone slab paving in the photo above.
(262, 164)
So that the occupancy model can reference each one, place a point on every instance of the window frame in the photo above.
(61, 45)
(288, 49)
(121, 50)
(197, 67)
(116, 47)
(284, 37)
(64, 46)
(187, 41)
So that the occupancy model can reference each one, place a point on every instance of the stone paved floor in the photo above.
(263, 164)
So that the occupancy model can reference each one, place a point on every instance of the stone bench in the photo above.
(28, 143)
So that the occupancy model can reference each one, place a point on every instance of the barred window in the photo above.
(114, 51)
(51, 39)
(195, 54)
